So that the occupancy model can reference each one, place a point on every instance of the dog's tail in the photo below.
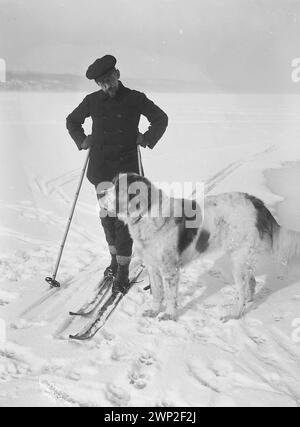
(286, 244)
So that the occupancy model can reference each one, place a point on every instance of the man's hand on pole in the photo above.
(87, 143)
(141, 140)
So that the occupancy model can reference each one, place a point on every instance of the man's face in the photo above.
(109, 84)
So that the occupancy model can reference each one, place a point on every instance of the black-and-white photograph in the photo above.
(150, 206)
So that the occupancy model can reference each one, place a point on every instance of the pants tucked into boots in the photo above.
(118, 239)
(120, 247)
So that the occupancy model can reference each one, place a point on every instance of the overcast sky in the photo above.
(180, 39)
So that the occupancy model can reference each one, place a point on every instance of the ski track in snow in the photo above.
(210, 363)
(55, 188)
(21, 265)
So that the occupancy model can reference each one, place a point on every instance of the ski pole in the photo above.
(141, 169)
(52, 280)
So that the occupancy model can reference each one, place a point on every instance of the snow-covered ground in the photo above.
(243, 143)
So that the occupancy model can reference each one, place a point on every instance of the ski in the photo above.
(104, 312)
(100, 293)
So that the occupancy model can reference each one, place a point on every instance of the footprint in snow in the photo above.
(142, 370)
(12, 369)
(147, 358)
(138, 378)
(120, 353)
(117, 395)
(108, 335)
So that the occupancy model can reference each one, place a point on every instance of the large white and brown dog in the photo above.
(235, 224)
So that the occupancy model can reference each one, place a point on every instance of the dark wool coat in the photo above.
(115, 130)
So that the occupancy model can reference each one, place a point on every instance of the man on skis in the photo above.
(115, 111)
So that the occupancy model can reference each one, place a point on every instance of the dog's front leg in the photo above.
(171, 280)
(156, 283)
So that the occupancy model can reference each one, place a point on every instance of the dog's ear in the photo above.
(133, 193)
(140, 194)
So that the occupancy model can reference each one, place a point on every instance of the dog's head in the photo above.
(129, 196)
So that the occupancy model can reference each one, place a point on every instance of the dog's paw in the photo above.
(150, 313)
